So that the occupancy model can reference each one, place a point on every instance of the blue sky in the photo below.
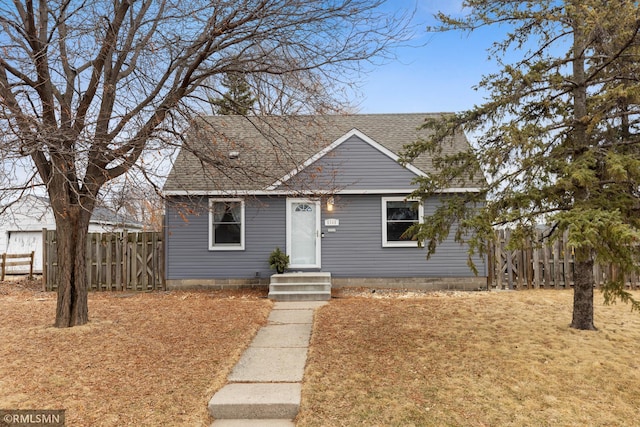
(436, 76)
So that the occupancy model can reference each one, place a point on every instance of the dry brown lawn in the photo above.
(470, 359)
(383, 359)
(151, 359)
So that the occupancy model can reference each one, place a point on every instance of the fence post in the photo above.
(154, 262)
(546, 264)
(44, 259)
(529, 262)
(31, 265)
(49, 259)
(499, 260)
(508, 254)
(145, 262)
(567, 260)
(133, 260)
(161, 256)
(491, 264)
(556, 263)
(108, 263)
(125, 260)
(521, 270)
(536, 260)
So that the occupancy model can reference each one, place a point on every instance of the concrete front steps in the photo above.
(256, 401)
(300, 287)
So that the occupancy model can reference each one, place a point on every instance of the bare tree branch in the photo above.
(91, 88)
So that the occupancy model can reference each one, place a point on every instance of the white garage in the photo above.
(21, 226)
(23, 242)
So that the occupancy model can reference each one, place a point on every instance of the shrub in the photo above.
(278, 261)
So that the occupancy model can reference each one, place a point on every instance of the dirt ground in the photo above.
(146, 359)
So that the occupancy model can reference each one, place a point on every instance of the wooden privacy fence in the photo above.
(14, 260)
(541, 264)
(117, 261)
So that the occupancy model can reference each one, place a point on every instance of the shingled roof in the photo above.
(244, 154)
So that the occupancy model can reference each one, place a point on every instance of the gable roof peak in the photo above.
(272, 149)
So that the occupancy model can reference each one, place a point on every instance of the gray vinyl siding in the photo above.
(353, 250)
(188, 255)
(353, 165)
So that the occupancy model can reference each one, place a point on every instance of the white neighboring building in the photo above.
(21, 226)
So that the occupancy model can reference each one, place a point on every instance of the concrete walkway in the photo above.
(265, 385)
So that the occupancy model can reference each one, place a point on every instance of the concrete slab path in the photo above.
(264, 387)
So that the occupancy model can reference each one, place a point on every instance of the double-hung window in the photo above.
(226, 224)
(398, 214)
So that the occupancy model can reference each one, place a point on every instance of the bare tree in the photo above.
(136, 200)
(88, 87)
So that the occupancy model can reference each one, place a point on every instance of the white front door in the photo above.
(303, 233)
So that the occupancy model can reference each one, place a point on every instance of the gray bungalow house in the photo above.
(327, 190)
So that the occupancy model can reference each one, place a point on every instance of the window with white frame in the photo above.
(226, 224)
(398, 214)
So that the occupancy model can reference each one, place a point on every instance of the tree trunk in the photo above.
(71, 230)
(583, 268)
(583, 295)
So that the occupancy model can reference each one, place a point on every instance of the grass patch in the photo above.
(145, 359)
(470, 359)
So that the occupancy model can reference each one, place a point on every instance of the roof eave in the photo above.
(319, 192)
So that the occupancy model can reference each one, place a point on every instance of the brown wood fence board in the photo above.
(507, 254)
(126, 266)
(133, 271)
(521, 272)
(143, 267)
(154, 260)
(493, 262)
(44, 259)
(541, 263)
(109, 265)
(546, 265)
(115, 261)
(597, 274)
(632, 281)
(117, 246)
(90, 261)
(556, 264)
(23, 260)
(536, 266)
(499, 272)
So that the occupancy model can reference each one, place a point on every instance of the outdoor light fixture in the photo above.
(330, 203)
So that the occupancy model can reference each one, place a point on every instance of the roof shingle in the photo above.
(270, 147)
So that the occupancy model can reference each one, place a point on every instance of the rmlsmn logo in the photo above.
(31, 418)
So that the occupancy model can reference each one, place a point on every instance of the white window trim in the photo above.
(213, 247)
(405, 244)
